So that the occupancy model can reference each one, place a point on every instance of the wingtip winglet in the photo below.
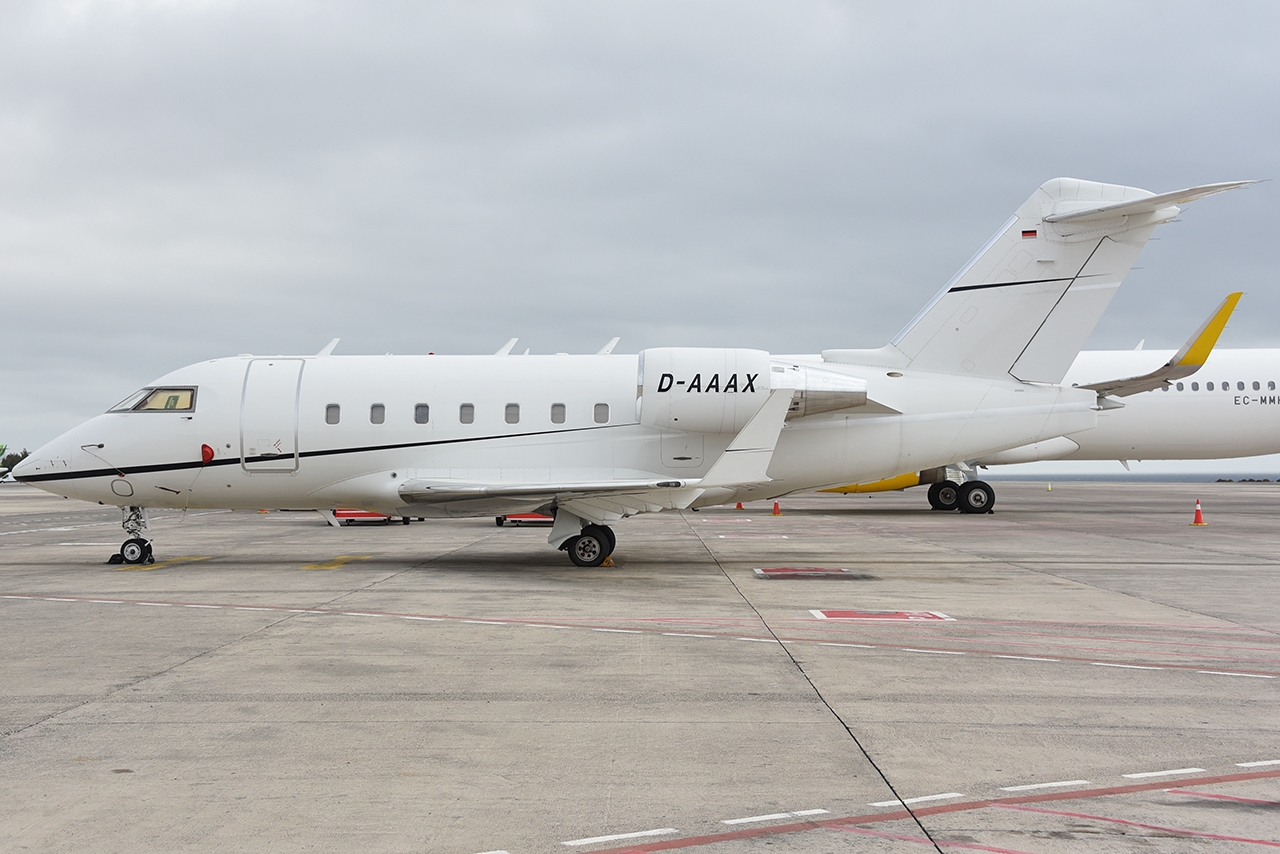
(1196, 351)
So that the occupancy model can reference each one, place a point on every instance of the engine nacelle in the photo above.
(701, 389)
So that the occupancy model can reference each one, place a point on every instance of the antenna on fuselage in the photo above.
(328, 348)
(505, 349)
(608, 348)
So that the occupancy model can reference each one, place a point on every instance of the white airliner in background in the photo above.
(1199, 403)
(594, 439)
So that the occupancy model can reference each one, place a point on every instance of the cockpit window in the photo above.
(158, 400)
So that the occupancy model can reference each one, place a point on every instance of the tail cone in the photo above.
(1199, 520)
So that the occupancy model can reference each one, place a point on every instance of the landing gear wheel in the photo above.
(977, 497)
(945, 495)
(135, 551)
(588, 548)
(610, 538)
(499, 520)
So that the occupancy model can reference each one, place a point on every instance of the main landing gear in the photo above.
(974, 496)
(592, 547)
(137, 548)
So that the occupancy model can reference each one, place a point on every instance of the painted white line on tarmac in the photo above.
(1257, 764)
(495, 852)
(684, 635)
(55, 599)
(118, 602)
(1225, 673)
(156, 604)
(545, 626)
(1025, 658)
(1030, 786)
(619, 631)
(919, 800)
(203, 606)
(759, 640)
(853, 645)
(1125, 666)
(1143, 774)
(661, 831)
(428, 619)
(250, 608)
(773, 816)
(483, 622)
(933, 651)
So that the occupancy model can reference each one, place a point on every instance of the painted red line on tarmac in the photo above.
(875, 818)
(1218, 797)
(973, 846)
(1177, 831)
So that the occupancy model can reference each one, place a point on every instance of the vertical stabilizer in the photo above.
(1026, 302)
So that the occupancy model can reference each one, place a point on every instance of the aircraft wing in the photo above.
(744, 462)
(1185, 362)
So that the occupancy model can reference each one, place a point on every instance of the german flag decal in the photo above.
(1029, 234)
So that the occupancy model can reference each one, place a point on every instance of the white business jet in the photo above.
(595, 439)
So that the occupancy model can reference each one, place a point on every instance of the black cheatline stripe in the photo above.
(1007, 284)
(76, 475)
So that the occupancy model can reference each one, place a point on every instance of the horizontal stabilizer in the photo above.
(1147, 205)
(1185, 362)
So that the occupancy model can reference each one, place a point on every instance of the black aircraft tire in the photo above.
(608, 539)
(945, 495)
(588, 548)
(135, 551)
(977, 497)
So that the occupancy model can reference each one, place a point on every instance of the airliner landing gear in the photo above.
(592, 546)
(944, 495)
(977, 497)
(137, 548)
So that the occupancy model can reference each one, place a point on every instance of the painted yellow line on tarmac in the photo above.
(160, 564)
(337, 562)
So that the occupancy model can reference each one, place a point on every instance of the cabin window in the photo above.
(557, 413)
(602, 413)
(1164, 388)
(1179, 386)
(1271, 385)
(421, 414)
(332, 413)
(158, 400)
(1226, 386)
(1208, 386)
(1240, 386)
(377, 413)
(467, 413)
(512, 414)
(1256, 385)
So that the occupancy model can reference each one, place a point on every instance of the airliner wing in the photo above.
(1186, 362)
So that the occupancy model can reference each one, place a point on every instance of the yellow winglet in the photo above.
(1196, 351)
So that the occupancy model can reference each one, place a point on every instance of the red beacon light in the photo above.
(206, 454)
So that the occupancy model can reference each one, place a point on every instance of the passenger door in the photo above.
(269, 415)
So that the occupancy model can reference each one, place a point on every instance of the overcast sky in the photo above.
(182, 180)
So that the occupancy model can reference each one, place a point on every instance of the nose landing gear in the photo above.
(137, 548)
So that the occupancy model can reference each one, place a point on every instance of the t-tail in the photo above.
(1026, 303)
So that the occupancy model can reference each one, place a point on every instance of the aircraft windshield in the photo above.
(158, 400)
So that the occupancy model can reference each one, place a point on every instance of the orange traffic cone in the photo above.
(777, 511)
(1199, 520)
(739, 507)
